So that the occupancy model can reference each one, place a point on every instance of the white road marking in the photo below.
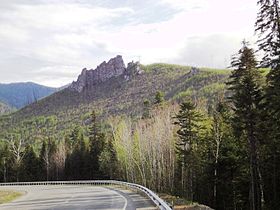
(124, 198)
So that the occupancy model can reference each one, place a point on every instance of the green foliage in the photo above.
(159, 97)
(188, 119)
(97, 145)
(30, 168)
(245, 84)
(163, 67)
(216, 71)
(268, 29)
(146, 109)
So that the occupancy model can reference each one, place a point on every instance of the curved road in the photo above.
(78, 197)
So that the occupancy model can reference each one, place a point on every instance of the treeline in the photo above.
(84, 153)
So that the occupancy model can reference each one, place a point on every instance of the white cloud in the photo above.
(186, 4)
(51, 41)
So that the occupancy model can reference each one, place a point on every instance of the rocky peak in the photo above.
(106, 70)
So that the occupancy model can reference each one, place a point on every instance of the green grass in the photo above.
(216, 71)
(264, 71)
(8, 196)
(163, 67)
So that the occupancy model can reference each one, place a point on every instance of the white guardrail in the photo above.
(153, 196)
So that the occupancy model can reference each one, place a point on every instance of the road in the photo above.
(68, 197)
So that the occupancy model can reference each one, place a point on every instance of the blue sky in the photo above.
(50, 41)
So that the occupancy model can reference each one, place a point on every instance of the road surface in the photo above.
(78, 197)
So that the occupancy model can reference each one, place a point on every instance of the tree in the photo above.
(17, 148)
(268, 29)
(188, 121)
(47, 150)
(245, 84)
(59, 158)
(5, 160)
(30, 165)
(97, 144)
(218, 129)
(108, 159)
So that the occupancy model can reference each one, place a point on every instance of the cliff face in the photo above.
(106, 70)
(113, 68)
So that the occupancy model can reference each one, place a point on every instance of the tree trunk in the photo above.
(254, 173)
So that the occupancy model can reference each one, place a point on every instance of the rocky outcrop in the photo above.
(133, 68)
(113, 68)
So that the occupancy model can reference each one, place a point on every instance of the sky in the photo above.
(50, 41)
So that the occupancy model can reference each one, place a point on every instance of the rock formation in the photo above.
(113, 68)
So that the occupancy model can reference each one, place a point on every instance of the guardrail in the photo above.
(162, 205)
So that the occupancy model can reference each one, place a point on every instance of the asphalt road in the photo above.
(76, 197)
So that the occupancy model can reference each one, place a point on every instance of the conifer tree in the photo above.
(246, 97)
(30, 165)
(96, 144)
(268, 29)
(188, 121)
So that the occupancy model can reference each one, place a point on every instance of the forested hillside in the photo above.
(118, 96)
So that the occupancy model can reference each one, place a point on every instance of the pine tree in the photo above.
(108, 160)
(245, 84)
(268, 28)
(96, 144)
(188, 121)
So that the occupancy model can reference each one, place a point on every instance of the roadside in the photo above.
(183, 204)
(8, 196)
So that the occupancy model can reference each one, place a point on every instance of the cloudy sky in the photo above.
(50, 41)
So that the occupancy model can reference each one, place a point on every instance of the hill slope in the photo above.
(4, 108)
(19, 95)
(123, 93)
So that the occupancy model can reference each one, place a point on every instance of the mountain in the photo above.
(18, 95)
(115, 89)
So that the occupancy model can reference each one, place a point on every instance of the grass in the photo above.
(8, 196)
(216, 71)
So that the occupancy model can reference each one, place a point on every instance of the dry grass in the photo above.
(183, 204)
(8, 196)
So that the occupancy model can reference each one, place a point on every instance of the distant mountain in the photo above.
(18, 95)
